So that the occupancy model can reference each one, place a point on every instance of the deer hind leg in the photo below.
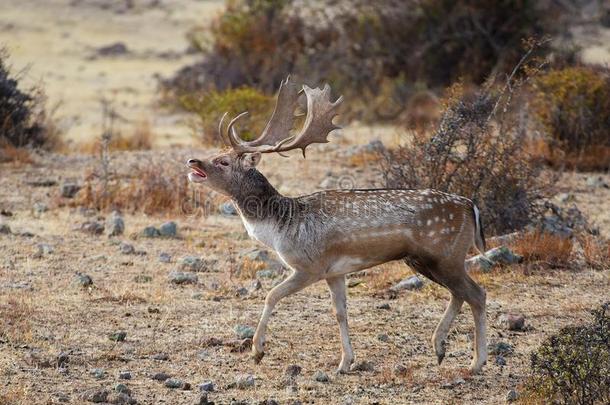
(476, 297)
(442, 329)
(339, 297)
(295, 282)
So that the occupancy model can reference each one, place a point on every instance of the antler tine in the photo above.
(232, 134)
(222, 119)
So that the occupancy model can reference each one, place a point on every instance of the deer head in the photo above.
(235, 170)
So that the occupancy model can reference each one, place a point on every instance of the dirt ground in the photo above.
(44, 311)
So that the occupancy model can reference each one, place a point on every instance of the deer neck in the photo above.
(257, 200)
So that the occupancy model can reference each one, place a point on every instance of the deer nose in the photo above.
(192, 162)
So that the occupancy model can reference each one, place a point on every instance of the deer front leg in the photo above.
(295, 282)
(339, 297)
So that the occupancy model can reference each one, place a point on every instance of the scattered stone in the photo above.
(500, 360)
(142, 278)
(84, 279)
(69, 189)
(179, 277)
(127, 249)
(160, 376)
(92, 227)
(596, 181)
(382, 337)
(120, 398)
(244, 331)
(267, 273)
(353, 283)
(452, 384)
(241, 292)
(160, 356)
(244, 381)
(363, 366)
(496, 256)
(151, 232)
(43, 250)
(206, 386)
(95, 395)
(241, 346)
(118, 336)
(411, 283)
(400, 370)
(227, 208)
(293, 370)
(98, 373)
(261, 255)
(5, 229)
(565, 198)
(321, 376)
(115, 224)
(174, 383)
(125, 375)
(501, 348)
(168, 229)
(192, 263)
(255, 285)
(62, 359)
(384, 306)
(511, 396)
(61, 397)
(122, 389)
(515, 322)
(116, 49)
(203, 400)
(40, 208)
(165, 258)
(197, 296)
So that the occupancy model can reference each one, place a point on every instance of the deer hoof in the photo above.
(258, 356)
(440, 352)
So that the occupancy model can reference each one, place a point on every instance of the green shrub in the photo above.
(366, 50)
(573, 366)
(213, 104)
(23, 120)
(573, 105)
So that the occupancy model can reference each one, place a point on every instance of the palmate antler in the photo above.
(276, 135)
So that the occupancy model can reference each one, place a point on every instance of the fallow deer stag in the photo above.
(326, 235)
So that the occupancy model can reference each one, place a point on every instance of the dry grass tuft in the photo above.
(16, 321)
(386, 275)
(596, 251)
(10, 153)
(544, 248)
(140, 139)
(247, 269)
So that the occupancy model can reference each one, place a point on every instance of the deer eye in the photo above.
(222, 163)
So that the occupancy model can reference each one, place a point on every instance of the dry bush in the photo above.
(573, 106)
(366, 50)
(151, 188)
(16, 321)
(24, 120)
(544, 248)
(477, 151)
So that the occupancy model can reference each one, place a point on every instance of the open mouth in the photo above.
(197, 175)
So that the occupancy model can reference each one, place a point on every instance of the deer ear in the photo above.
(252, 159)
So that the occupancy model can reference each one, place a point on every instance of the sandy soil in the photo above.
(57, 41)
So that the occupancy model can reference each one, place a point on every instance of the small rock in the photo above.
(43, 250)
(400, 370)
(160, 356)
(5, 229)
(384, 306)
(363, 366)
(203, 400)
(495, 256)
(179, 277)
(122, 389)
(244, 331)
(62, 359)
(40, 208)
(192, 263)
(410, 283)
(500, 360)
(174, 383)
(127, 249)
(160, 376)
(241, 292)
(84, 280)
(115, 224)
(227, 208)
(501, 348)
(118, 336)
(513, 322)
(511, 396)
(383, 338)
(92, 227)
(565, 198)
(95, 395)
(321, 376)
(165, 258)
(98, 373)
(115, 49)
(293, 370)
(244, 381)
(267, 273)
(169, 229)
(453, 384)
(69, 189)
(255, 285)
(206, 386)
(151, 232)
(120, 398)
(596, 181)
(125, 375)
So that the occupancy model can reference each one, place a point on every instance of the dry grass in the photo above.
(16, 320)
(140, 139)
(544, 249)
(248, 269)
(386, 275)
(596, 251)
(12, 154)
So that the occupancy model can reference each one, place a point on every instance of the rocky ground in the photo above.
(86, 315)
